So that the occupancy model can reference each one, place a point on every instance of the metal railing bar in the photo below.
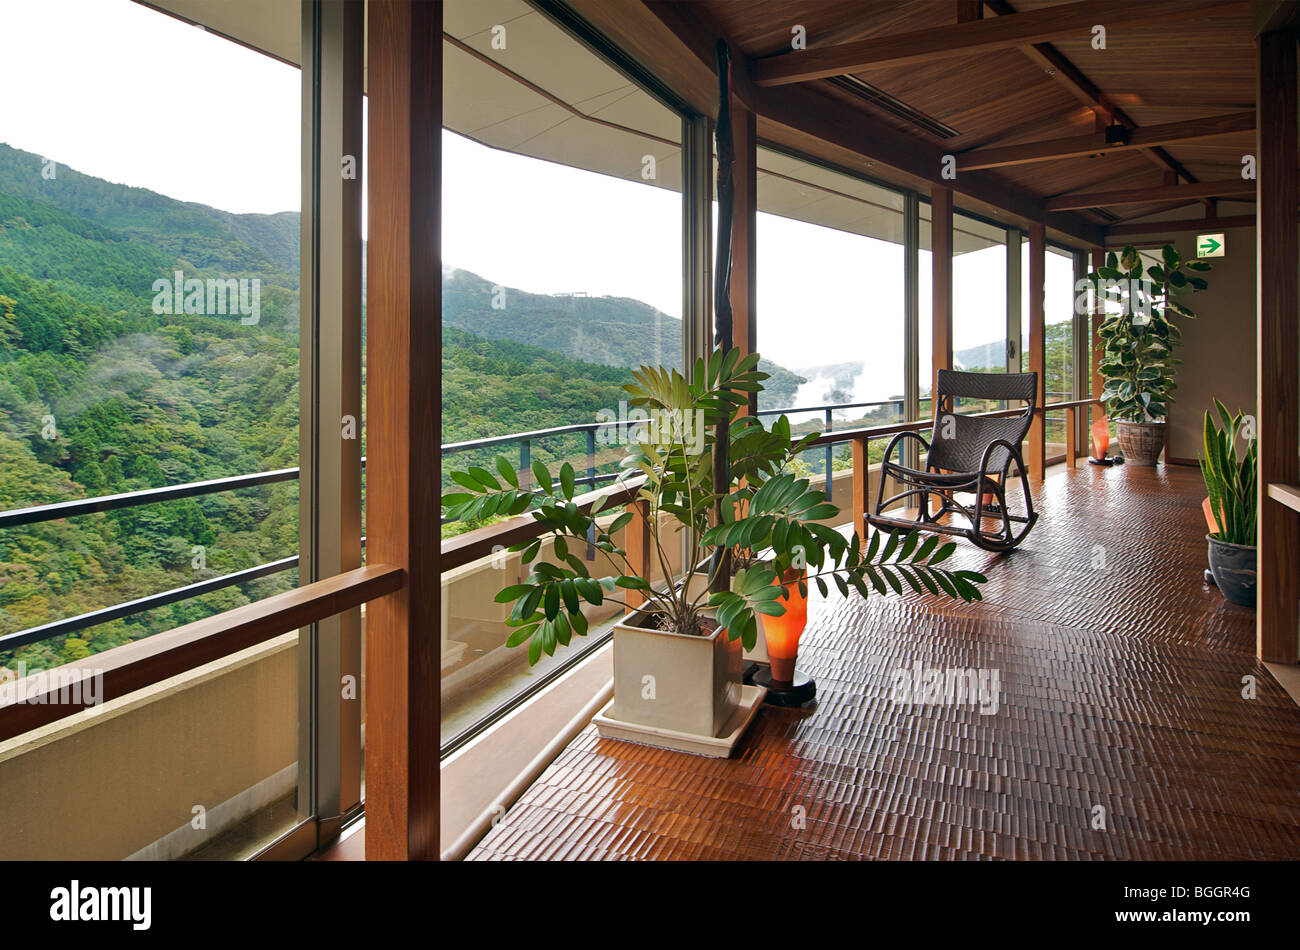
(86, 506)
(68, 625)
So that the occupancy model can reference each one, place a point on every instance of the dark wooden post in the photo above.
(1036, 447)
(1098, 316)
(404, 469)
(941, 284)
(744, 332)
(1277, 249)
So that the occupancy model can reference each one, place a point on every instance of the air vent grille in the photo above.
(897, 107)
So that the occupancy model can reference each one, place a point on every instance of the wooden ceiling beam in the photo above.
(1067, 21)
(1053, 62)
(1077, 146)
(1182, 224)
(1137, 196)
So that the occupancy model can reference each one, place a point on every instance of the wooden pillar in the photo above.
(744, 242)
(861, 484)
(1071, 448)
(639, 544)
(1036, 445)
(404, 468)
(1277, 249)
(941, 284)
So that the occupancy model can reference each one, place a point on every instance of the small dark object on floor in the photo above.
(802, 691)
(1209, 577)
(1102, 461)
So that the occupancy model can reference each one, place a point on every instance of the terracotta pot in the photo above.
(782, 633)
(675, 681)
(1142, 442)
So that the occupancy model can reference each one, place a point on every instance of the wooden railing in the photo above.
(145, 662)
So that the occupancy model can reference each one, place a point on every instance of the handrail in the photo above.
(457, 552)
(489, 539)
(68, 625)
(142, 663)
(18, 517)
(893, 428)
(481, 542)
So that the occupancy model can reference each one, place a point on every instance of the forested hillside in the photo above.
(100, 395)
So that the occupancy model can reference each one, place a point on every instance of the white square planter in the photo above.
(671, 681)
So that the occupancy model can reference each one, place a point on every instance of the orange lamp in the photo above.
(1101, 442)
(786, 686)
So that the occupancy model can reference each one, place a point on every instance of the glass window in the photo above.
(562, 271)
(149, 327)
(830, 301)
(979, 301)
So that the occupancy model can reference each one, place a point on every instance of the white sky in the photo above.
(125, 93)
(143, 99)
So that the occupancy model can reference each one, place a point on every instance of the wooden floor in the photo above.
(1121, 697)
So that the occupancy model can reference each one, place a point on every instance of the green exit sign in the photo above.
(1210, 245)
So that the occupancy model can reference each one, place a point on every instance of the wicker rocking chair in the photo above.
(966, 454)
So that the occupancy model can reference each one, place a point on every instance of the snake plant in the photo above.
(1230, 476)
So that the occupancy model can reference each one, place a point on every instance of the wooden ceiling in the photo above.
(1163, 63)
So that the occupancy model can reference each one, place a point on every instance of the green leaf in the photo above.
(566, 479)
(507, 471)
(543, 477)
(521, 634)
(484, 478)
(513, 592)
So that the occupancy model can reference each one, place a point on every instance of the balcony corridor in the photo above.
(1121, 687)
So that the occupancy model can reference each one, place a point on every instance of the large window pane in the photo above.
(562, 267)
(830, 300)
(149, 329)
(979, 300)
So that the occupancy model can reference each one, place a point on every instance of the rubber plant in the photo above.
(1138, 365)
(1230, 478)
(670, 468)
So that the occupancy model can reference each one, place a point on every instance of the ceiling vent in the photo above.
(895, 107)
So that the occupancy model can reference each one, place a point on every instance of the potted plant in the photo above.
(1230, 480)
(1138, 366)
(677, 652)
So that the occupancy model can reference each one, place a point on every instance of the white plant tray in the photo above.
(718, 747)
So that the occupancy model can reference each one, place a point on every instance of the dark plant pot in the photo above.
(1233, 567)
(1141, 442)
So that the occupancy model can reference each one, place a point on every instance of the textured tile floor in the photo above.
(1120, 689)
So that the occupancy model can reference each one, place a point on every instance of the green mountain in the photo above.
(613, 331)
(195, 236)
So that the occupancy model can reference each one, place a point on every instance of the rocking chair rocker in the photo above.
(968, 454)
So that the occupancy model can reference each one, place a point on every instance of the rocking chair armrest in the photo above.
(1012, 450)
(889, 450)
